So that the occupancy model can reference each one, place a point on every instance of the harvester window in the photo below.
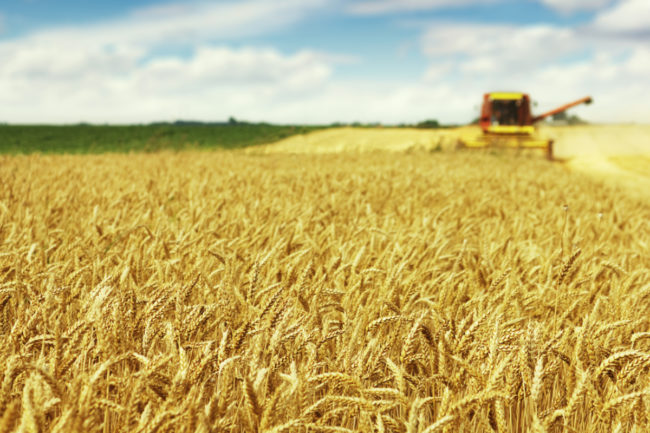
(505, 111)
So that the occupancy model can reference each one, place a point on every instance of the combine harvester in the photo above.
(507, 122)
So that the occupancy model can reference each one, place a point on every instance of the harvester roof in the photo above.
(506, 95)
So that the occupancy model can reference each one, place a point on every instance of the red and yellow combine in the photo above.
(506, 121)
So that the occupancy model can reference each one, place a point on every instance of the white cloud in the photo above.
(117, 46)
(554, 64)
(111, 71)
(499, 49)
(114, 72)
(627, 17)
(370, 7)
(212, 84)
(191, 22)
(568, 6)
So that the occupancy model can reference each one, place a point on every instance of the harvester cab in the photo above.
(506, 121)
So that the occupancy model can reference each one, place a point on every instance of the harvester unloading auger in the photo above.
(506, 121)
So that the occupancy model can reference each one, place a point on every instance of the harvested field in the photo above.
(357, 140)
(364, 291)
(637, 164)
(601, 140)
(618, 154)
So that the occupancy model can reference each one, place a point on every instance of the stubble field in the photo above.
(371, 292)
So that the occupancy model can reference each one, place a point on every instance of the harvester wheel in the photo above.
(549, 151)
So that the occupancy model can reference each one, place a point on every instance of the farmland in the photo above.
(286, 288)
(84, 138)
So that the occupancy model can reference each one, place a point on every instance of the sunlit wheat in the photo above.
(210, 292)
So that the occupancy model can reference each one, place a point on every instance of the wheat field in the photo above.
(384, 292)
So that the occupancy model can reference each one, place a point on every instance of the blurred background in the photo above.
(318, 61)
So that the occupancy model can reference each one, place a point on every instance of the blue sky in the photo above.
(317, 61)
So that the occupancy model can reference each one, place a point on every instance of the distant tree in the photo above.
(564, 118)
(188, 123)
(575, 120)
(232, 121)
(560, 117)
(430, 123)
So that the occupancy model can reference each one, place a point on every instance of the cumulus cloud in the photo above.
(112, 71)
(190, 22)
(628, 17)
(370, 7)
(117, 46)
(499, 49)
(569, 6)
(555, 64)
(213, 83)
(119, 70)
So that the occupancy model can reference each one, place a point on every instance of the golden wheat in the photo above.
(233, 291)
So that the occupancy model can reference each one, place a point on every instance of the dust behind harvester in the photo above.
(506, 121)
